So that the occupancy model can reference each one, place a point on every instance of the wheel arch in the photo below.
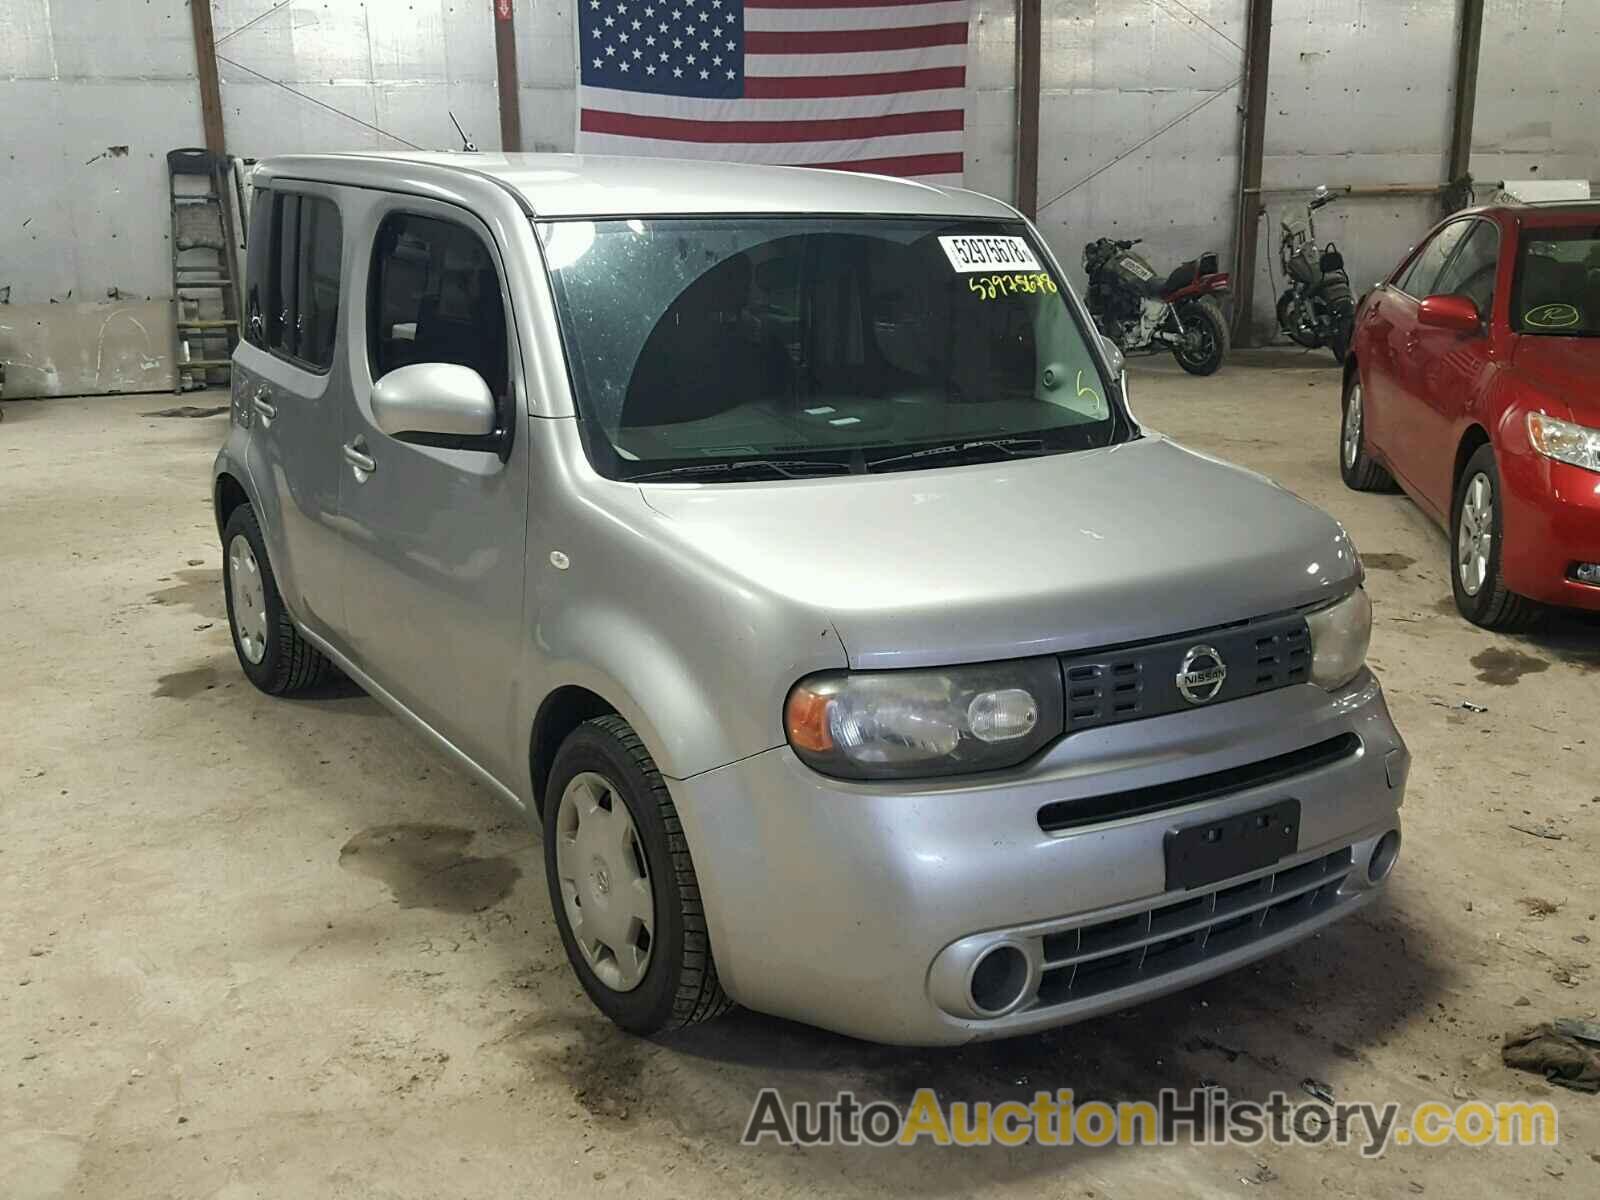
(226, 496)
(1472, 438)
(560, 712)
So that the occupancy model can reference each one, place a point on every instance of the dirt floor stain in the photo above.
(427, 866)
(1505, 667)
(1387, 562)
(180, 685)
(197, 590)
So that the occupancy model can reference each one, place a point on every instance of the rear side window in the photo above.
(1471, 272)
(436, 298)
(292, 273)
(258, 273)
(1418, 279)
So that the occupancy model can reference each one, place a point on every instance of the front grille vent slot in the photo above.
(1091, 959)
(1092, 810)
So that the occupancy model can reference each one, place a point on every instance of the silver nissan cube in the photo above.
(782, 543)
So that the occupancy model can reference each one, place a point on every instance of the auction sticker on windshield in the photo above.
(988, 253)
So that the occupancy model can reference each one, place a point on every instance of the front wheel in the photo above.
(1289, 320)
(1205, 342)
(623, 886)
(1478, 539)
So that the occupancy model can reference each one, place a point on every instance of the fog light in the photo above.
(1384, 855)
(999, 980)
(1587, 573)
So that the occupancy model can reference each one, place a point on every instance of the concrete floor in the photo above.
(276, 948)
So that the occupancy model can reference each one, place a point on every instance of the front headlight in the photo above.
(1564, 441)
(1339, 637)
(905, 724)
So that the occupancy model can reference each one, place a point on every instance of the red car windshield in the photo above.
(1557, 292)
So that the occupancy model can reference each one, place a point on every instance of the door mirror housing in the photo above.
(1456, 313)
(436, 404)
(1114, 356)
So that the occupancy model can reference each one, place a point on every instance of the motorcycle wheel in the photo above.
(1339, 340)
(1207, 344)
(1288, 322)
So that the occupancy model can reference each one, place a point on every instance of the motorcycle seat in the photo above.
(1186, 273)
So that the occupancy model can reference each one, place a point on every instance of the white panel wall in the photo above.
(1139, 113)
(1115, 73)
(1538, 91)
(93, 103)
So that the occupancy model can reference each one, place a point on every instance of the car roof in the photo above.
(1536, 214)
(594, 185)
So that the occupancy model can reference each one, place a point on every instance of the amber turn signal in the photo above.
(805, 720)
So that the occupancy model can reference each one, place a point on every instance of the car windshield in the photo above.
(1558, 283)
(732, 348)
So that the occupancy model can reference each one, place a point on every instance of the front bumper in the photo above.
(1552, 522)
(864, 908)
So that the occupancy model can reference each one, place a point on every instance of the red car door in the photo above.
(1401, 389)
(1451, 370)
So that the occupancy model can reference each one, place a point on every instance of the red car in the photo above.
(1474, 383)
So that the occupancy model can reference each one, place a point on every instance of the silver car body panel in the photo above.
(465, 589)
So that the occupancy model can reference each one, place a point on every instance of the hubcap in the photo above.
(605, 882)
(249, 599)
(1352, 428)
(1475, 534)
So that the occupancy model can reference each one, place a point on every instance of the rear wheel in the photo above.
(1356, 466)
(271, 651)
(1344, 326)
(1477, 538)
(622, 884)
(1205, 338)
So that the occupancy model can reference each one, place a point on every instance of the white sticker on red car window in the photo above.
(989, 252)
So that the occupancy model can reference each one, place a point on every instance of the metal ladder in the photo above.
(205, 260)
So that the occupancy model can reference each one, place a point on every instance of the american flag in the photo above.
(861, 85)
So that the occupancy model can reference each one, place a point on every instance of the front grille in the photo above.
(1099, 957)
(1091, 810)
(1105, 687)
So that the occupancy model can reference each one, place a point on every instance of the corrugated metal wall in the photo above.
(1139, 112)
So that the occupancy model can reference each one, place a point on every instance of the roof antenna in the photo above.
(467, 144)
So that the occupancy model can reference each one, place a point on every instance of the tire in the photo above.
(1343, 330)
(1204, 317)
(1356, 466)
(603, 764)
(1290, 326)
(1475, 569)
(271, 651)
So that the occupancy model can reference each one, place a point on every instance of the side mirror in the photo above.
(1114, 356)
(435, 404)
(1456, 313)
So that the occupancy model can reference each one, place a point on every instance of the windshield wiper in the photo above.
(782, 468)
(1009, 447)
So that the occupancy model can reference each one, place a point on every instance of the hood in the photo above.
(1564, 369)
(1031, 556)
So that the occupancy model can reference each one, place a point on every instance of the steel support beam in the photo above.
(1258, 50)
(505, 62)
(205, 63)
(1028, 50)
(1466, 94)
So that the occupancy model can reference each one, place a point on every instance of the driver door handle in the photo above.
(357, 457)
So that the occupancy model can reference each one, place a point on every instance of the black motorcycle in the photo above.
(1317, 307)
(1145, 314)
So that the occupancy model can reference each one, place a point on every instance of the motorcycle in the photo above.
(1317, 307)
(1145, 314)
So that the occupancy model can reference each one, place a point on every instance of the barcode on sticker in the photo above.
(989, 253)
